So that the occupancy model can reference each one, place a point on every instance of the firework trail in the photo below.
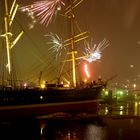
(93, 52)
(43, 11)
(86, 70)
(57, 44)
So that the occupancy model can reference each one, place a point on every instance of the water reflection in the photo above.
(119, 121)
(94, 132)
(97, 128)
(19, 129)
(137, 108)
(120, 109)
(74, 130)
(113, 121)
(105, 129)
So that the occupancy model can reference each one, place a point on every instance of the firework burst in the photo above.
(43, 11)
(93, 52)
(57, 44)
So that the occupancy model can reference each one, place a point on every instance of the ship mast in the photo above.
(74, 38)
(73, 52)
(10, 43)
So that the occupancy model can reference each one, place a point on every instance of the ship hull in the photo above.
(37, 110)
(36, 102)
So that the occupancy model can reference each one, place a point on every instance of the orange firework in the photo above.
(86, 70)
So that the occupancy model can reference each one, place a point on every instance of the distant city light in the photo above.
(121, 112)
(138, 42)
(134, 86)
(106, 92)
(120, 92)
(131, 66)
(121, 107)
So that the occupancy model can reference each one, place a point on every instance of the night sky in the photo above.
(116, 20)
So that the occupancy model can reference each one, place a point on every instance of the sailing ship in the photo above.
(53, 97)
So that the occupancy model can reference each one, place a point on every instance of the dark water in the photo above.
(119, 121)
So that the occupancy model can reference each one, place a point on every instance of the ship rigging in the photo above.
(76, 36)
(10, 42)
(36, 101)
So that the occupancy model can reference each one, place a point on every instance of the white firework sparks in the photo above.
(43, 11)
(57, 44)
(93, 52)
(31, 15)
